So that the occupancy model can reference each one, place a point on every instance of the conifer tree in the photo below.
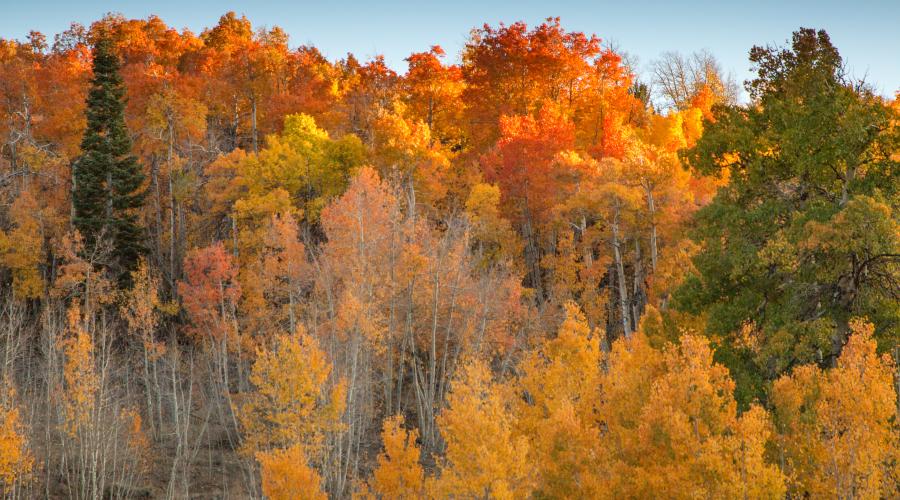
(107, 193)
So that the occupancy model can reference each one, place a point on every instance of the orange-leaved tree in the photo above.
(399, 472)
(16, 459)
(558, 397)
(677, 430)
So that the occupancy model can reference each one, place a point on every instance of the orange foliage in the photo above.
(16, 460)
(286, 475)
(484, 457)
(399, 473)
(524, 163)
(82, 382)
(511, 70)
(211, 292)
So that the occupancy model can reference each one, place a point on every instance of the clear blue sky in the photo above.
(867, 32)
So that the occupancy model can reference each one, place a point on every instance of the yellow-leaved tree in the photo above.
(294, 408)
(837, 429)
(22, 248)
(484, 458)
(678, 432)
(556, 411)
(286, 475)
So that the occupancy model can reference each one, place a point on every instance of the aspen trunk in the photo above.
(620, 272)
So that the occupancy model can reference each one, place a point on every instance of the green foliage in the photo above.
(805, 234)
(108, 195)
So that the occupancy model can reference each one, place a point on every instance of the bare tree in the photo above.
(677, 78)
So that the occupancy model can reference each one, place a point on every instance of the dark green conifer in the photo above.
(107, 193)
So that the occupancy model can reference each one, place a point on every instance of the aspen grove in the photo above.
(230, 268)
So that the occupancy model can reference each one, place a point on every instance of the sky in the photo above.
(865, 31)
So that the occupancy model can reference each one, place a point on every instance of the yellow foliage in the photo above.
(679, 434)
(22, 249)
(561, 381)
(406, 147)
(494, 235)
(79, 373)
(564, 369)
(141, 307)
(252, 212)
(667, 132)
(483, 458)
(564, 269)
(286, 475)
(291, 404)
(398, 474)
(692, 125)
(837, 428)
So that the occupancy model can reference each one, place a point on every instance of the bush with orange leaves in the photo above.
(399, 473)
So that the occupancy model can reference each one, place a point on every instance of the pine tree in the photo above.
(108, 194)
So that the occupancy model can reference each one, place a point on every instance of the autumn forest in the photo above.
(234, 268)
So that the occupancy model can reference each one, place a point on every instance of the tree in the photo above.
(286, 475)
(511, 70)
(494, 236)
(525, 163)
(141, 309)
(837, 431)
(404, 148)
(606, 192)
(210, 293)
(676, 430)
(210, 297)
(284, 268)
(556, 411)
(107, 192)
(433, 93)
(16, 459)
(291, 404)
(483, 458)
(22, 249)
(399, 473)
(804, 235)
(82, 383)
(679, 79)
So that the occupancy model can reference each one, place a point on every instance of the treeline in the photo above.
(233, 268)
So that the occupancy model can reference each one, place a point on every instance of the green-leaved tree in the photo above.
(805, 235)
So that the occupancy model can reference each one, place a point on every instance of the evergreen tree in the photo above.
(108, 194)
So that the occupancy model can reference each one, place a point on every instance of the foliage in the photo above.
(804, 235)
(291, 404)
(16, 459)
(837, 430)
(398, 473)
(531, 278)
(286, 475)
(108, 192)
